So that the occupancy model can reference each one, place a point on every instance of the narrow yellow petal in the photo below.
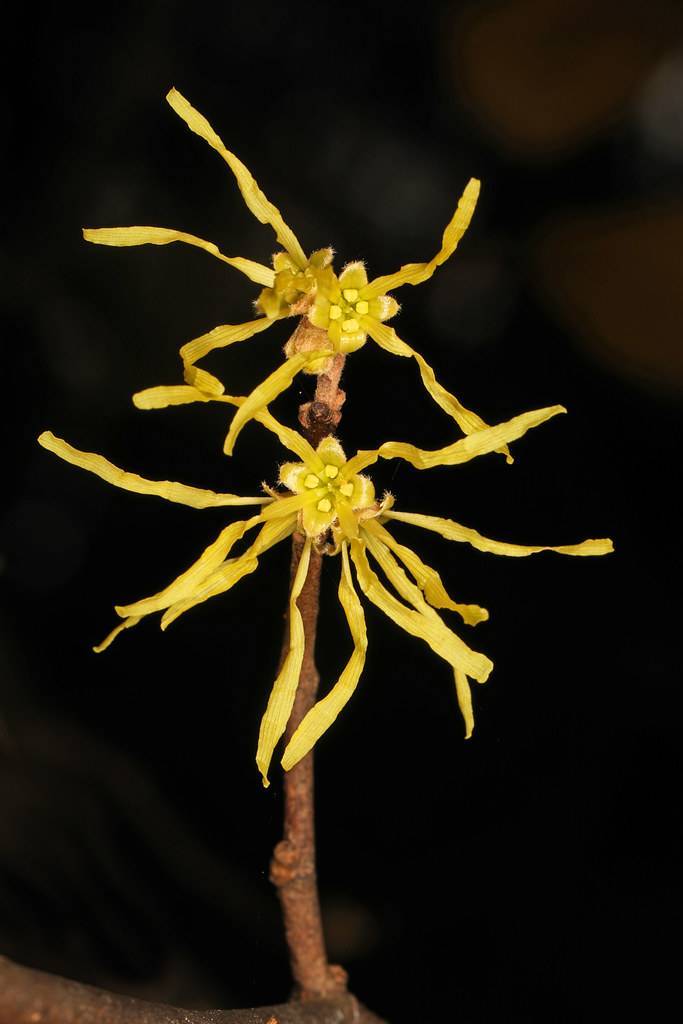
(143, 235)
(274, 721)
(323, 714)
(196, 377)
(266, 392)
(220, 581)
(183, 494)
(454, 531)
(232, 571)
(182, 394)
(162, 397)
(291, 439)
(262, 208)
(427, 579)
(464, 695)
(221, 337)
(126, 624)
(468, 421)
(480, 443)
(415, 273)
(426, 623)
(291, 504)
(185, 585)
(347, 518)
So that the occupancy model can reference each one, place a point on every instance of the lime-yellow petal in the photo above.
(279, 708)
(196, 377)
(232, 571)
(464, 695)
(162, 397)
(415, 273)
(455, 531)
(427, 578)
(256, 201)
(482, 442)
(266, 392)
(109, 639)
(387, 338)
(185, 585)
(424, 624)
(324, 713)
(143, 235)
(291, 504)
(221, 337)
(183, 494)
(348, 521)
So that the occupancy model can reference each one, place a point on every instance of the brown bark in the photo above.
(31, 997)
(293, 870)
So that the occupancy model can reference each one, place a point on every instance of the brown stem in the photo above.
(292, 868)
(31, 997)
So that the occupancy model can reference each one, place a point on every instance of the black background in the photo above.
(528, 874)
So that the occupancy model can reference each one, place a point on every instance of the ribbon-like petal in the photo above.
(143, 235)
(387, 338)
(482, 442)
(266, 392)
(221, 337)
(426, 623)
(232, 571)
(274, 721)
(183, 494)
(455, 531)
(427, 578)
(415, 273)
(464, 695)
(260, 206)
(109, 639)
(186, 584)
(323, 714)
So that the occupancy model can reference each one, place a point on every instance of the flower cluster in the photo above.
(323, 497)
(344, 310)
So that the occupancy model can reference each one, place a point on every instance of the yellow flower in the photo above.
(339, 501)
(289, 285)
(341, 311)
(350, 308)
(333, 505)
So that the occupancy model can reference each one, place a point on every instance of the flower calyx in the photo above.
(346, 307)
(333, 499)
(294, 287)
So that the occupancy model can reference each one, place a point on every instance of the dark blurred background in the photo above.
(532, 873)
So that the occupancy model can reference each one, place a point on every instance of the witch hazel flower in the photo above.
(337, 313)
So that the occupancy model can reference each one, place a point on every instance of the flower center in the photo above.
(330, 479)
(349, 309)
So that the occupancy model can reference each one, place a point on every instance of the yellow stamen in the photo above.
(311, 481)
(335, 312)
(350, 294)
(362, 308)
(331, 471)
(347, 490)
(350, 325)
(324, 505)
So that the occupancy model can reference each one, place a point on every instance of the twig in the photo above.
(31, 997)
(292, 868)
